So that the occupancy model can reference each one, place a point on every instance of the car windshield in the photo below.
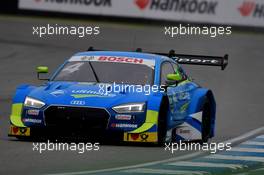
(105, 72)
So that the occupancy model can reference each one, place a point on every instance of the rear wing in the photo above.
(198, 59)
(190, 59)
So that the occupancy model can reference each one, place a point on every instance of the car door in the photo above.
(178, 94)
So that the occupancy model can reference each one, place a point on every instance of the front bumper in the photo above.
(77, 124)
(15, 131)
(19, 131)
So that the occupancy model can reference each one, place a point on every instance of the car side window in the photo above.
(180, 70)
(166, 68)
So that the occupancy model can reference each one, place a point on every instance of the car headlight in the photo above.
(31, 102)
(130, 108)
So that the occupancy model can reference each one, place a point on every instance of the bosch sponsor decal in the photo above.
(114, 59)
(123, 125)
(120, 59)
(181, 6)
(123, 117)
(251, 8)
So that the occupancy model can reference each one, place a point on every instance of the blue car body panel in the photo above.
(185, 100)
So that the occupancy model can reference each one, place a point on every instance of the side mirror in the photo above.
(42, 70)
(172, 79)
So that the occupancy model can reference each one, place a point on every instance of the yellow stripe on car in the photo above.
(87, 95)
(16, 115)
(151, 120)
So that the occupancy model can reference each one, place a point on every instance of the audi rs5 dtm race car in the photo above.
(104, 92)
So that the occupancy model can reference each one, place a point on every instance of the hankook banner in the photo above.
(228, 12)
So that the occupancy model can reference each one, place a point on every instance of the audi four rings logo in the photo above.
(77, 102)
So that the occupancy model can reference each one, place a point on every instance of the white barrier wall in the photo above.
(228, 12)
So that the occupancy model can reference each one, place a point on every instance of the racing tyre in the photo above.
(206, 121)
(162, 122)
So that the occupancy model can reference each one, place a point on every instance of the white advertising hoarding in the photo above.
(228, 12)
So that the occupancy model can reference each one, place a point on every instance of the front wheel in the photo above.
(162, 122)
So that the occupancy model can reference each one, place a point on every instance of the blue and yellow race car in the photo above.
(129, 96)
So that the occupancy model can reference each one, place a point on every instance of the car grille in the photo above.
(76, 117)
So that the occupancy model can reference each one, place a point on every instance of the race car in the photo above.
(129, 96)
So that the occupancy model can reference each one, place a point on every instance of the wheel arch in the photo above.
(163, 119)
(17, 104)
(197, 102)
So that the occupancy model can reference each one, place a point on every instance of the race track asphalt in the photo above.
(238, 89)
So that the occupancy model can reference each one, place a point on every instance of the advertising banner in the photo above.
(227, 12)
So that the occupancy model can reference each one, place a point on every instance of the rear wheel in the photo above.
(206, 121)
